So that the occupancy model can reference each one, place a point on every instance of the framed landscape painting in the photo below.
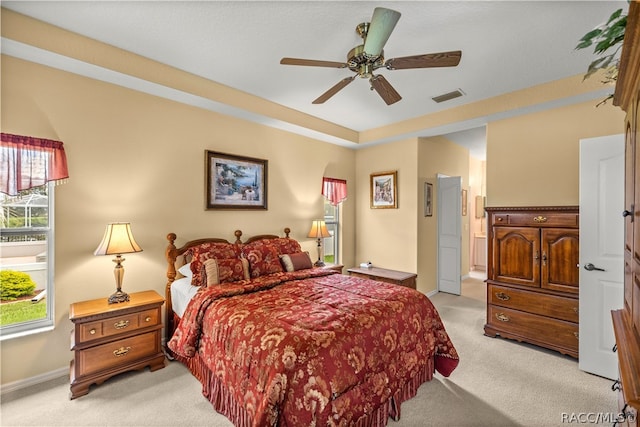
(384, 190)
(235, 182)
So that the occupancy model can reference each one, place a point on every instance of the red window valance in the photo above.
(27, 162)
(334, 190)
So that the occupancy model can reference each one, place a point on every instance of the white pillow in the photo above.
(185, 270)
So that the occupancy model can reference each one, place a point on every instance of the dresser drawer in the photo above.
(534, 302)
(117, 325)
(537, 219)
(557, 333)
(116, 353)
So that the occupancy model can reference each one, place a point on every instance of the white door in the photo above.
(601, 250)
(449, 203)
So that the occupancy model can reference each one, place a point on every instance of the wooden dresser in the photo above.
(109, 339)
(626, 321)
(532, 276)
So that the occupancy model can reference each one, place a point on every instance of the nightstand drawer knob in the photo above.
(121, 324)
(147, 319)
(92, 331)
(540, 218)
(122, 351)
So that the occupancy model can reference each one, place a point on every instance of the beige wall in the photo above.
(387, 237)
(533, 160)
(138, 158)
(438, 155)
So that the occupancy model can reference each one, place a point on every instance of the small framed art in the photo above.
(235, 182)
(384, 190)
(428, 199)
(464, 202)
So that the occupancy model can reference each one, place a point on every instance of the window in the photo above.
(26, 248)
(331, 244)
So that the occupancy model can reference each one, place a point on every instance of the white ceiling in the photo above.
(506, 46)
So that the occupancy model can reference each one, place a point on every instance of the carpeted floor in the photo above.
(498, 383)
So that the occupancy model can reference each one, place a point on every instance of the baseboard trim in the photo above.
(38, 379)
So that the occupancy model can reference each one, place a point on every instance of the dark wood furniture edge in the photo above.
(628, 345)
(531, 208)
(172, 253)
(628, 72)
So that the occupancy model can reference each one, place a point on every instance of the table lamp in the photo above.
(118, 240)
(319, 231)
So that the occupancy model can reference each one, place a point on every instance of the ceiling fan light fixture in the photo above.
(448, 96)
(382, 24)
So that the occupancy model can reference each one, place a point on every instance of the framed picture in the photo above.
(428, 199)
(384, 190)
(235, 182)
(464, 202)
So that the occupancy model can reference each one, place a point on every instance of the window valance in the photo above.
(334, 190)
(27, 162)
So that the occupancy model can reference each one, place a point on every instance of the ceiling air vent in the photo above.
(448, 96)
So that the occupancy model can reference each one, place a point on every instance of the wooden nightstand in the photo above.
(335, 267)
(109, 339)
(383, 275)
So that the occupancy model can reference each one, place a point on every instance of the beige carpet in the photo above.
(498, 383)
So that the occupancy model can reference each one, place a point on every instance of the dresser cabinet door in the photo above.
(560, 258)
(517, 255)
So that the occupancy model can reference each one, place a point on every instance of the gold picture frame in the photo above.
(384, 190)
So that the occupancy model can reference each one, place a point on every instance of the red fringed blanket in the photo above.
(311, 348)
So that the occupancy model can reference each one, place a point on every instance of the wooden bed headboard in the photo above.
(172, 254)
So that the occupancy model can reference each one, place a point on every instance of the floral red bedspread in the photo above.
(312, 348)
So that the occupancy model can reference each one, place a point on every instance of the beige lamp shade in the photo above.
(318, 230)
(117, 239)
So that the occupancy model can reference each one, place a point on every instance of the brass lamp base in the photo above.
(118, 297)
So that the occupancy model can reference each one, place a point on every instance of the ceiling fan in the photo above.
(364, 59)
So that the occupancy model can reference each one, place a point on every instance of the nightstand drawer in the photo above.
(118, 324)
(117, 353)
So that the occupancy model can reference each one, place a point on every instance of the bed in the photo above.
(275, 341)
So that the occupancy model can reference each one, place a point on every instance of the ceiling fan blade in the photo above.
(428, 60)
(312, 63)
(384, 89)
(335, 89)
(382, 24)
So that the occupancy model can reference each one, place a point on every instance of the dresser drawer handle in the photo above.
(92, 331)
(147, 319)
(121, 351)
(575, 334)
(540, 218)
(575, 309)
(502, 296)
(502, 317)
(121, 324)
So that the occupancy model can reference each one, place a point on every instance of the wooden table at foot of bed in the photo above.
(384, 275)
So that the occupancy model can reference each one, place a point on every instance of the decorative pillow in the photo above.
(286, 245)
(297, 261)
(205, 251)
(185, 270)
(219, 271)
(263, 258)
